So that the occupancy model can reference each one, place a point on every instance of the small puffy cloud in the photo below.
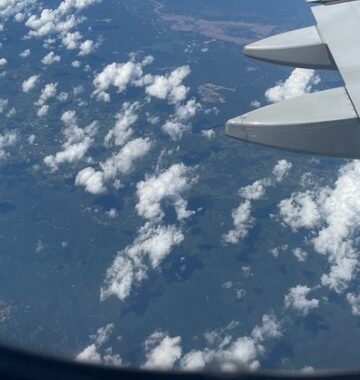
(233, 354)
(6, 140)
(175, 129)
(31, 139)
(48, 92)
(124, 120)
(178, 123)
(300, 82)
(50, 59)
(87, 47)
(170, 86)
(92, 180)
(43, 110)
(242, 221)
(3, 104)
(296, 299)
(255, 104)
(131, 265)
(77, 142)
(354, 302)
(30, 83)
(92, 352)
(208, 134)
(118, 75)
(332, 214)
(12, 112)
(60, 22)
(122, 162)
(186, 111)
(72, 40)
(281, 170)
(162, 351)
(72, 153)
(26, 53)
(77, 90)
(300, 254)
(118, 165)
(277, 250)
(3, 62)
(254, 191)
(170, 185)
(300, 211)
(76, 64)
(63, 96)
(9, 8)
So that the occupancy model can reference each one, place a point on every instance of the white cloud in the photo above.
(3, 104)
(6, 140)
(124, 120)
(300, 82)
(242, 221)
(118, 75)
(116, 166)
(11, 112)
(131, 265)
(281, 170)
(296, 299)
(178, 123)
(276, 251)
(26, 53)
(233, 354)
(50, 59)
(208, 133)
(333, 215)
(63, 96)
(300, 254)
(175, 129)
(77, 142)
(254, 191)
(300, 211)
(71, 40)
(186, 111)
(3, 62)
(170, 184)
(92, 180)
(9, 8)
(76, 64)
(77, 90)
(91, 352)
(169, 86)
(122, 162)
(48, 92)
(43, 110)
(31, 139)
(162, 351)
(30, 83)
(354, 302)
(60, 22)
(255, 104)
(87, 47)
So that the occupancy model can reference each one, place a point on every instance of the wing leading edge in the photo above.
(326, 122)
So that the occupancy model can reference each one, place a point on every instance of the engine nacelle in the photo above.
(299, 48)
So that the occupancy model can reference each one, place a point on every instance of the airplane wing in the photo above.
(326, 122)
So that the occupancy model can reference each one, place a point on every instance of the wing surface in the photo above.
(323, 123)
(339, 26)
